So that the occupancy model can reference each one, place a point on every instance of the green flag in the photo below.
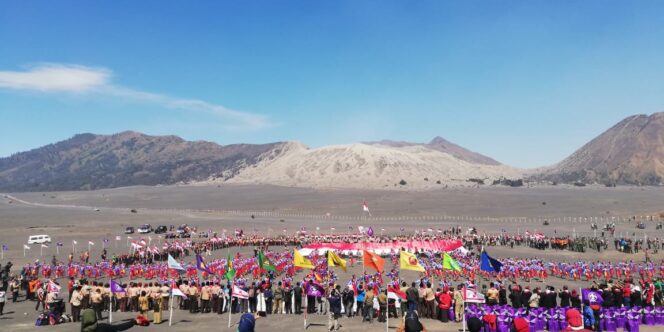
(230, 270)
(264, 263)
(449, 263)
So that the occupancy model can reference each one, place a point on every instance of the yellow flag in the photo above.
(334, 260)
(300, 261)
(408, 261)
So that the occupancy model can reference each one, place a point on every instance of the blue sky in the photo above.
(525, 82)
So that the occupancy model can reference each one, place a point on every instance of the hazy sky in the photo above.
(524, 82)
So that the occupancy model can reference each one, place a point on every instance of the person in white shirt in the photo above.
(3, 298)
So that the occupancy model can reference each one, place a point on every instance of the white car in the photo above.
(145, 229)
(39, 239)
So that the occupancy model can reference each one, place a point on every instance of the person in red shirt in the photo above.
(444, 304)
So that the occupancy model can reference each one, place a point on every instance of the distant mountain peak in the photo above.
(630, 152)
(440, 144)
(88, 161)
(439, 140)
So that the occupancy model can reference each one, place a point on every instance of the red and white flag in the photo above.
(176, 291)
(470, 295)
(53, 287)
(239, 293)
(91, 243)
(365, 207)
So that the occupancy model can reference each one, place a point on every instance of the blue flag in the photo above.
(173, 264)
(489, 264)
(5, 248)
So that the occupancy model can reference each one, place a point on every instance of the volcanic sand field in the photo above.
(67, 216)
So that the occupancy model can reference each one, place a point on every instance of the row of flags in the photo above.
(407, 261)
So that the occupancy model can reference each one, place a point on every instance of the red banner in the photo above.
(434, 245)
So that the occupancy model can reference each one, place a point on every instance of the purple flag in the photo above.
(315, 290)
(5, 248)
(591, 296)
(116, 288)
(370, 231)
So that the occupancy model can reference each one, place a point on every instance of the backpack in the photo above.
(412, 323)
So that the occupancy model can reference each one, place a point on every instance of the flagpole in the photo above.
(110, 309)
(57, 249)
(387, 310)
(41, 250)
(23, 250)
(230, 308)
(170, 311)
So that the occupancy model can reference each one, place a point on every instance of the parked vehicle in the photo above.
(203, 235)
(39, 239)
(184, 228)
(129, 230)
(145, 229)
(161, 229)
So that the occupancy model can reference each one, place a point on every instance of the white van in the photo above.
(39, 239)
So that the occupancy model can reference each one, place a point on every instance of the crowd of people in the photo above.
(370, 296)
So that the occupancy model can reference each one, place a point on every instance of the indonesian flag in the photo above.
(53, 287)
(91, 243)
(176, 291)
(135, 245)
(74, 241)
(44, 245)
(365, 207)
(26, 247)
(118, 238)
(239, 293)
(395, 293)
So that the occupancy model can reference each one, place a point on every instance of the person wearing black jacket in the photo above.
(515, 296)
(297, 292)
(635, 298)
(549, 298)
(525, 297)
(564, 297)
(502, 295)
(607, 296)
(617, 297)
(575, 299)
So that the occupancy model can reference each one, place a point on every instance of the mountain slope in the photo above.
(440, 144)
(367, 166)
(631, 152)
(88, 161)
